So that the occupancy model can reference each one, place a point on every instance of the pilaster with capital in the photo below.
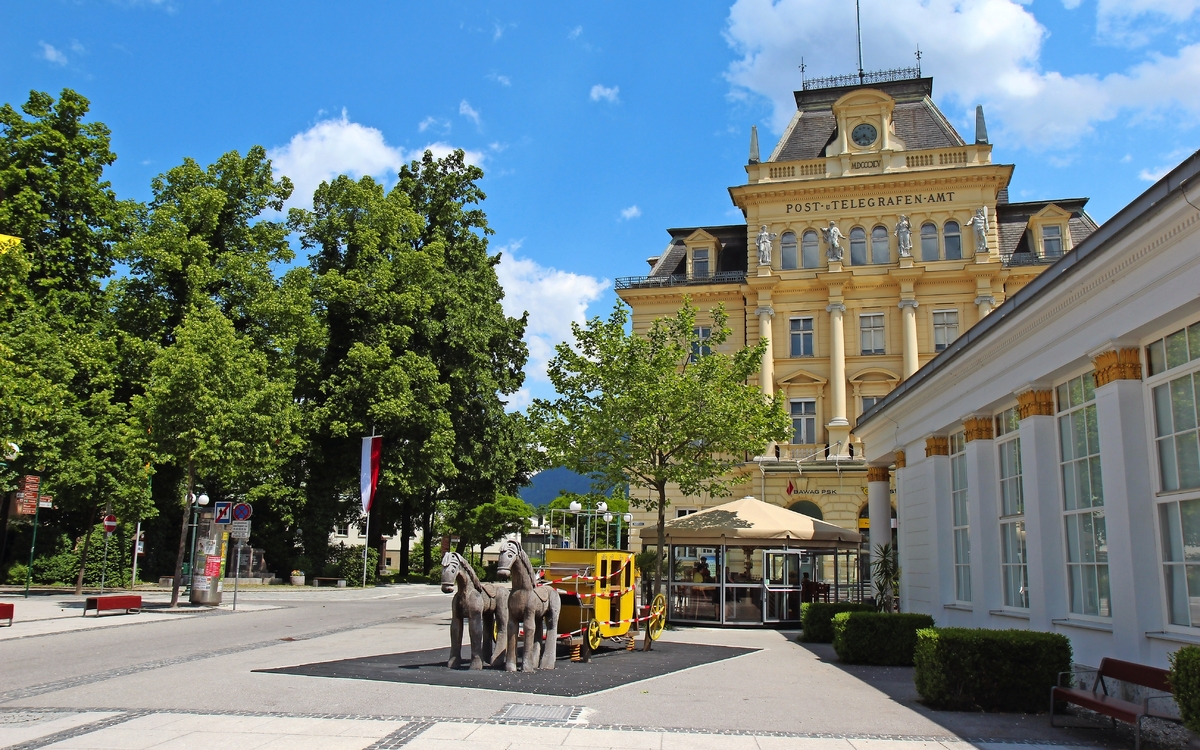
(908, 315)
(839, 426)
(766, 373)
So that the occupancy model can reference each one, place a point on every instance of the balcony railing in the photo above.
(803, 452)
(650, 282)
(1026, 259)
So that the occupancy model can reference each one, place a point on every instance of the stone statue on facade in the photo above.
(764, 241)
(833, 237)
(485, 608)
(980, 222)
(904, 236)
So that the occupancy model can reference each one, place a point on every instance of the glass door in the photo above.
(781, 585)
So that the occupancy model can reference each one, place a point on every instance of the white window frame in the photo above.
(1094, 509)
(882, 329)
(783, 251)
(815, 248)
(810, 332)
(1062, 240)
(960, 518)
(1014, 553)
(341, 530)
(944, 327)
(703, 333)
(708, 259)
(810, 418)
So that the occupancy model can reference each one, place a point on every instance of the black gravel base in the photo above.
(607, 669)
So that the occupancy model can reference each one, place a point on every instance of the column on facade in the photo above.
(983, 514)
(1044, 554)
(937, 456)
(1129, 508)
(985, 303)
(766, 373)
(908, 316)
(838, 426)
(879, 510)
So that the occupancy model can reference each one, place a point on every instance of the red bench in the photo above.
(1097, 699)
(127, 602)
(6, 612)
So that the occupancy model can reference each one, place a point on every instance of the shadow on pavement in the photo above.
(897, 684)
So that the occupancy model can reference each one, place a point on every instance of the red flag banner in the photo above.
(368, 477)
(791, 487)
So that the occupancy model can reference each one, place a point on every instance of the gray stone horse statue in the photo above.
(485, 607)
(536, 607)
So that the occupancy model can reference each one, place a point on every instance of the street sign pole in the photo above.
(366, 543)
(237, 571)
(104, 565)
(32, 547)
(137, 540)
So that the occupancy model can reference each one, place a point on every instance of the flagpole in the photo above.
(366, 544)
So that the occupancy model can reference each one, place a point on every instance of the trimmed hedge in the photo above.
(816, 618)
(1185, 685)
(884, 638)
(990, 670)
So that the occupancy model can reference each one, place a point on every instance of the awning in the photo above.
(751, 520)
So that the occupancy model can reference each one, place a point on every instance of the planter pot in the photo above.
(297, 580)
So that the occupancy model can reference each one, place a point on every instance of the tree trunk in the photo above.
(405, 535)
(87, 540)
(427, 547)
(662, 538)
(183, 537)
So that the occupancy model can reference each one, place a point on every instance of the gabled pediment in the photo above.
(700, 237)
(1051, 212)
(800, 377)
(876, 374)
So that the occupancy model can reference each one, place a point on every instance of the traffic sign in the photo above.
(223, 508)
(46, 501)
(240, 529)
(110, 523)
(242, 511)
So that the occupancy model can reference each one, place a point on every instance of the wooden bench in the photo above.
(339, 582)
(1097, 698)
(6, 612)
(127, 602)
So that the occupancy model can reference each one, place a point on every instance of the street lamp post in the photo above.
(197, 503)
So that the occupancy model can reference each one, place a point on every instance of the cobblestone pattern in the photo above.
(73, 682)
(78, 731)
(402, 736)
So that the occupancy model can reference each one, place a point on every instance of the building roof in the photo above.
(919, 123)
(731, 256)
(1012, 219)
(1070, 269)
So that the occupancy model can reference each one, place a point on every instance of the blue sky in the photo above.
(600, 125)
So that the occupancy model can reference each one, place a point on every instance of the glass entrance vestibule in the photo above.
(757, 585)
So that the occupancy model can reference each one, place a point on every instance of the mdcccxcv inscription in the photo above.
(881, 201)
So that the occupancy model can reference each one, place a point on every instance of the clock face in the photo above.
(864, 134)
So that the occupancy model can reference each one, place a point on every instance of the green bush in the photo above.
(17, 575)
(347, 562)
(816, 618)
(1185, 685)
(989, 670)
(884, 638)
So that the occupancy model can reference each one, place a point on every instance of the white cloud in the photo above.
(1154, 174)
(575, 32)
(77, 48)
(979, 51)
(338, 146)
(51, 54)
(432, 121)
(1135, 21)
(502, 80)
(554, 300)
(466, 110)
(631, 213)
(604, 92)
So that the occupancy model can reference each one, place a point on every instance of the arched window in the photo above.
(858, 247)
(787, 251)
(808, 508)
(810, 256)
(929, 242)
(952, 238)
(880, 251)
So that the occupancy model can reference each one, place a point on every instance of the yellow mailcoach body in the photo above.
(595, 585)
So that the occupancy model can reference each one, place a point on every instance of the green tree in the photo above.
(657, 409)
(494, 519)
(212, 408)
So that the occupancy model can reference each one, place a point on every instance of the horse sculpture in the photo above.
(484, 605)
(535, 607)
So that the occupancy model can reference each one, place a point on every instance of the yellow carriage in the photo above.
(597, 588)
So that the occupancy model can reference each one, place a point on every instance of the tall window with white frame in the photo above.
(804, 421)
(810, 250)
(700, 264)
(801, 333)
(1174, 383)
(1083, 498)
(945, 328)
(1014, 571)
(858, 246)
(1052, 246)
(929, 242)
(870, 327)
(788, 257)
(961, 519)
(700, 347)
(881, 250)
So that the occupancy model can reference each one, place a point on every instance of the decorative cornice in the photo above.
(908, 303)
(900, 460)
(835, 307)
(1117, 364)
(878, 474)
(937, 446)
(1034, 403)
(765, 310)
(978, 428)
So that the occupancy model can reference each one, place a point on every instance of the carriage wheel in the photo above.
(658, 617)
(593, 635)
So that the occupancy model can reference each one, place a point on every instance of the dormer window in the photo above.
(1052, 246)
(700, 263)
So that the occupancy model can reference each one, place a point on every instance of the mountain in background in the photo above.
(547, 485)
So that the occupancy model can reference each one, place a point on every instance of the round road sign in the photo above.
(110, 523)
(242, 511)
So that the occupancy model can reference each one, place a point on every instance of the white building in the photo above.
(1047, 466)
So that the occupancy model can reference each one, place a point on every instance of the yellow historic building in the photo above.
(875, 235)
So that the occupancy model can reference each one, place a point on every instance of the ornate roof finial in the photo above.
(918, 56)
(858, 25)
(980, 126)
(754, 144)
